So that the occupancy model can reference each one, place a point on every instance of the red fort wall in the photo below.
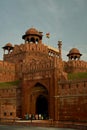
(41, 72)
(7, 71)
(73, 66)
(72, 101)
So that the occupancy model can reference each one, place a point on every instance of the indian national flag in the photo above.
(47, 35)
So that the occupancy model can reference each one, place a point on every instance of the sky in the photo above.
(65, 20)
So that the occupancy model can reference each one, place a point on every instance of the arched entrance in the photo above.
(39, 102)
(42, 106)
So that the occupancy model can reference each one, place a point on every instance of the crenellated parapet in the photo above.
(72, 66)
(21, 51)
(72, 88)
(72, 100)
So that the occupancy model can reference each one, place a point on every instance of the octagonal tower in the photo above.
(32, 35)
(74, 54)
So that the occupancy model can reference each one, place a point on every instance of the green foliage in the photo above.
(6, 84)
(76, 76)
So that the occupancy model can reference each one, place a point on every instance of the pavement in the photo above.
(14, 127)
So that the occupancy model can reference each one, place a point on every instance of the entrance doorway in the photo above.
(42, 106)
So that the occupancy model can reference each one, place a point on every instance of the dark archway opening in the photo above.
(42, 106)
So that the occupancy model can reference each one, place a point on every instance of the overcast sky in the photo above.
(65, 20)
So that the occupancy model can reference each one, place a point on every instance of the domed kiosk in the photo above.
(32, 35)
(74, 54)
(8, 47)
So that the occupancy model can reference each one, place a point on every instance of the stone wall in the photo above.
(7, 71)
(7, 102)
(10, 102)
(72, 101)
(73, 66)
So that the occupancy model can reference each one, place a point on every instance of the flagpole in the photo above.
(48, 36)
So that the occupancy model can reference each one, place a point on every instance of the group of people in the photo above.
(34, 117)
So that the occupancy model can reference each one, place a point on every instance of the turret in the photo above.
(8, 47)
(74, 54)
(32, 35)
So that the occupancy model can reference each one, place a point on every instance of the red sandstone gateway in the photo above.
(34, 81)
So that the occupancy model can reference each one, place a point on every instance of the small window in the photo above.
(32, 40)
(11, 113)
(5, 113)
